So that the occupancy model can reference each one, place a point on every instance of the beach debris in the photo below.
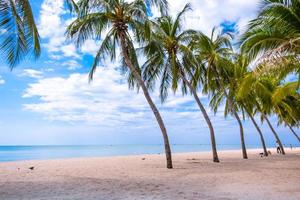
(31, 168)
(143, 158)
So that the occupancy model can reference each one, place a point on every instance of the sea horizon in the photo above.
(10, 153)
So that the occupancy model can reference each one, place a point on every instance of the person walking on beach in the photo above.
(278, 147)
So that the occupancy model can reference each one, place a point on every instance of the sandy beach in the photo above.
(195, 176)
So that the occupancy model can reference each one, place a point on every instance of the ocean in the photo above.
(17, 153)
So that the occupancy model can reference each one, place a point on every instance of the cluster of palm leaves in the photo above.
(249, 83)
(273, 37)
(19, 35)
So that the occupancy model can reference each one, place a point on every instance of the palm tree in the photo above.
(165, 49)
(213, 52)
(294, 132)
(234, 73)
(289, 122)
(19, 33)
(120, 18)
(286, 101)
(274, 34)
(275, 133)
(240, 68)
(251, 116)
(261, 87)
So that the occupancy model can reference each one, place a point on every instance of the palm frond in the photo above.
(20, 35)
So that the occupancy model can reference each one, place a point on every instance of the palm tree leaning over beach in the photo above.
(233, 74)
(286, 119)
(286, 101)
(261, 88)
(251, 113)
(274, 35)
(236, 75)
(164, 51)
(294, 132)
(121, 19)
(19, 35)
(213, 52)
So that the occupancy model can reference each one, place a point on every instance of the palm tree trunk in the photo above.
(259, 131)
(148, 98)
(294, 133)
(232, 108)
(275, 134)
(206, 117)
(245, 156)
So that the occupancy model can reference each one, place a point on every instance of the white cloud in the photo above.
(2, 81)
(2, 31)
(32, 73)
(55, 57)
(52, 27)
(69, 50)
(209, 13)
(90, 47)
(71, 64)
(106, 101)
(49, 70)
(74, 99)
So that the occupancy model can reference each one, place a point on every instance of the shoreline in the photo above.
(137, 154)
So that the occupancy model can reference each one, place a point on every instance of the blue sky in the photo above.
(49, 101)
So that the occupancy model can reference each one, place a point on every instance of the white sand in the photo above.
(195, 176)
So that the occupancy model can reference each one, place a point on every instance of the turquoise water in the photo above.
(15, 153)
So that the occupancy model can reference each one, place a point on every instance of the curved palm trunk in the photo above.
(232, 108)
(149, 100)
(260, 133)
(206, 117)
(275, 134)
(294, 133)
(244, 151)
